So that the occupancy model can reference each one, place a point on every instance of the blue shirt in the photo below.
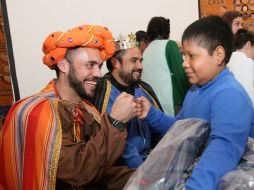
(140, 133)
(226, 106)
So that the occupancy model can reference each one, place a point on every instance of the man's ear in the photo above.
(115, 62)
(63, 65)
(142, 44)
(219, 53)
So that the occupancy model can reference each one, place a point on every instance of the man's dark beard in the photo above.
(76, 84)
(128, 77)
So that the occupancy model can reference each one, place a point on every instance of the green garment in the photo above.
(178, 77)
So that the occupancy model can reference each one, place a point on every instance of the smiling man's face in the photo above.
(131, 66)
(84, 71)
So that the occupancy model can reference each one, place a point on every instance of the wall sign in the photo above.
(219, 7)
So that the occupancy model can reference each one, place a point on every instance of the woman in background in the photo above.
(241, 63)
(234, 19)
(163, 60)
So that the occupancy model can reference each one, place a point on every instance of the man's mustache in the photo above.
(94, 79)
(137, 70)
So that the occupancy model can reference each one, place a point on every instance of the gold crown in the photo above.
(126, 41)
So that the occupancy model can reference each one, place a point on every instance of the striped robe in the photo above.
(31, 142)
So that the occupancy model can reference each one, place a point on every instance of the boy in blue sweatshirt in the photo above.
(215, 96)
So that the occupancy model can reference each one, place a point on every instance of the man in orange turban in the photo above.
(56, 139)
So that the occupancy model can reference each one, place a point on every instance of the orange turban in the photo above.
(56, 44)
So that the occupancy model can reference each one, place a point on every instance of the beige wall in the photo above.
(32, 20)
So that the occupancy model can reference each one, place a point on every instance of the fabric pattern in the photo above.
(25, 155)
(30, 153)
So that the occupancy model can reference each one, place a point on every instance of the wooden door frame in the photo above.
(8, 40)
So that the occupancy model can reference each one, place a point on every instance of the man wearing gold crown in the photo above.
(56, 139)
(125, 73)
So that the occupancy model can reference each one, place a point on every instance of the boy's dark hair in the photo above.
(158, 27)
(229, 16)
(209, 33)
(118, 55)
(242, 37)
(142, 36)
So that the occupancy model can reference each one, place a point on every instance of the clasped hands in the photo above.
(126, 107)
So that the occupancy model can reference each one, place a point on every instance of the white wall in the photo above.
(32, 20)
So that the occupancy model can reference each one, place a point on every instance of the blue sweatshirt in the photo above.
(140, 133)
(224, 103)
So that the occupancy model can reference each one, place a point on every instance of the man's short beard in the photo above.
(128, 78)
(76, 85)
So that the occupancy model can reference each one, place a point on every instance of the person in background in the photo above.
(215, 96)
(142, 39)
(234, 19)
(56, 139)
(241, 63)
(163, 60)
(251, 26)
(125, 68)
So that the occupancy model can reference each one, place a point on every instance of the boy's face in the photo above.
(201, 67)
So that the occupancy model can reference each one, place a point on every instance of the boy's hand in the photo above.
(145, 105)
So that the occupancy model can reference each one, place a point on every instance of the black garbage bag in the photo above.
(243, 177)
(172, 160)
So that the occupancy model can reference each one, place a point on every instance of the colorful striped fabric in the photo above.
(31, 141)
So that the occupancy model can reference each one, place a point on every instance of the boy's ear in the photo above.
(63, 65)
(219, 53)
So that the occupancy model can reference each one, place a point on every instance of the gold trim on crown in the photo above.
(126, 41)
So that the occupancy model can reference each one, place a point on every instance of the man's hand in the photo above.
(124, 108)
(143, 107)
